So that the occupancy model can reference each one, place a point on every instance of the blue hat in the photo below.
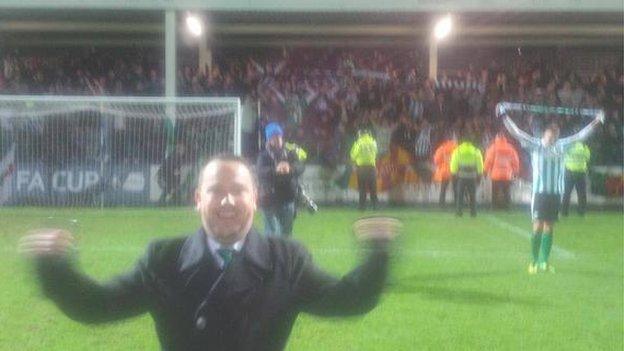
(272, 129)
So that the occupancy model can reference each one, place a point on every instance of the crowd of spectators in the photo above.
(133, 72)
(324, 95)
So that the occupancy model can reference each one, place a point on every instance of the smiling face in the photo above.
(226, 200)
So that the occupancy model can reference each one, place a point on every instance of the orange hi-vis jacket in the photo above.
(501, 160)
(442, 161)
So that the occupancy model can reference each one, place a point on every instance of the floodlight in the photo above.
(194, 25)
(443, 27)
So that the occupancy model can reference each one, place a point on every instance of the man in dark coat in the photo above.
(224, 288)
(278, 174)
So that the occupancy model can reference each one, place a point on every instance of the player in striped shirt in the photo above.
(547, 161)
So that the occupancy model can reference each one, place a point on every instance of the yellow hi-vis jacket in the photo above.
(577, 157)
(302, 155)
(364, 151)
(466, 161)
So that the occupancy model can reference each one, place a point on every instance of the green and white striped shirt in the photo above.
(547, 161)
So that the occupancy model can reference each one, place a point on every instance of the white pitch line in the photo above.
(525, 234)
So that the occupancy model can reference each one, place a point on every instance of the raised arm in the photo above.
(517, 133)
(357, 292)
(583, 133)
(78, 296)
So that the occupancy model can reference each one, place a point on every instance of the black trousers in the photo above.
(575, 180)
(501, 198)
(367, 184)
(466, 186)
(443, 186)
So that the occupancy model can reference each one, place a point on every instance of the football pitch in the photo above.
(455, 284)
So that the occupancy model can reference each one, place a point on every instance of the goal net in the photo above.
(110, 151)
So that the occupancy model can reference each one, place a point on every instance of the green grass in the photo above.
(456, 284)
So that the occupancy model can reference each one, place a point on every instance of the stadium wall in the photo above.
(605, 188)
(35, 184)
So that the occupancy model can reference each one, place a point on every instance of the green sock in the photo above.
(536, 242)
(547, 240)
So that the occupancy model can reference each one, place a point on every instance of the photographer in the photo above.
(278, 173)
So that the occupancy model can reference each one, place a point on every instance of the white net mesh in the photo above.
(99, 151)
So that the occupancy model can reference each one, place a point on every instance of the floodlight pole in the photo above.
(204, 64)
(170, 76)
(170, 53)
(433, 59)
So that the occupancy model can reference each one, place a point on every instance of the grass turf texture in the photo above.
(455, 283)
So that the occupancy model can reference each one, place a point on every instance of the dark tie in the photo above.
(226, 255)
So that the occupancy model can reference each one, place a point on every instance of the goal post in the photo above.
(110, 151)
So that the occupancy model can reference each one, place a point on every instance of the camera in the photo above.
(307, 201)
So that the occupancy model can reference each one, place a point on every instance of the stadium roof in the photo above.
(324, 5)
(52, 27)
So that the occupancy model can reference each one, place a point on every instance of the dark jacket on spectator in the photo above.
(277, 189)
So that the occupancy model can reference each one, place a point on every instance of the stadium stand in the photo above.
(324, 95)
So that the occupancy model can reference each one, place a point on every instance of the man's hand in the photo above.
(377, 228)
(283, 167)
(47, 243)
